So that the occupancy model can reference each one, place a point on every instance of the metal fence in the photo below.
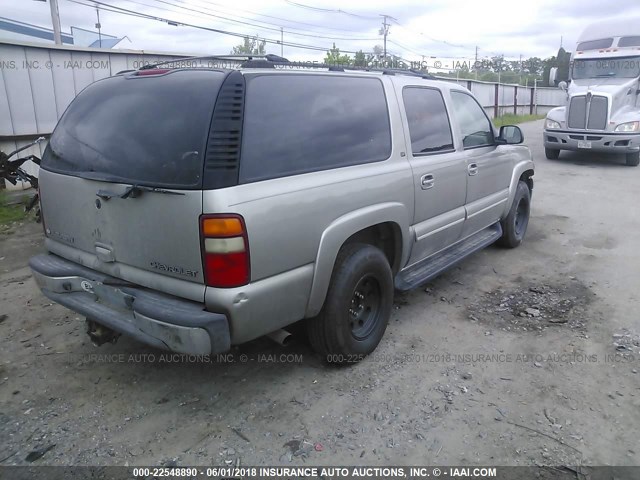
(37, 83)
(500, 99)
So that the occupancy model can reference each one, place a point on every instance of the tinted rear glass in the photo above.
(428, 120)
(150, 130)
(595, 44)
(304, 123)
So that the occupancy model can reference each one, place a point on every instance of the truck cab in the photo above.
(602, 112)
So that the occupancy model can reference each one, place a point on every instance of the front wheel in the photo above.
(552, 153)
(633, 159)
(357, 307)
(514, 226)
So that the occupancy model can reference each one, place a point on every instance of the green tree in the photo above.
(563, 60)
(333, 57)
(250, 46)
(360, 59)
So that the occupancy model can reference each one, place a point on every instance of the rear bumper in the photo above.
(152, 317)
(600, 142)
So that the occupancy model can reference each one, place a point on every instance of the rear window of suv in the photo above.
(150, 130)
(304, 123)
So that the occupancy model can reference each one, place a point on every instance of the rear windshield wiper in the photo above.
(134, 191)
(610, 74)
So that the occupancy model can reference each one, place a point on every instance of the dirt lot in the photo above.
(521, 357)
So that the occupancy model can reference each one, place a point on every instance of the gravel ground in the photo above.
(515, 357)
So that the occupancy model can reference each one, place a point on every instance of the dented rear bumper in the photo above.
(152, 317)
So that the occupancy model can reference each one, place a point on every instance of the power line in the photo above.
(431, 38)
(280, 18)
(201, 12)
(124, 11)
(396, 43)
(329, 10)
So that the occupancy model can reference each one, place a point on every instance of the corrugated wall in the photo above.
(37, 83)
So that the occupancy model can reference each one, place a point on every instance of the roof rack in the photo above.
(239, 58)
(273, 61)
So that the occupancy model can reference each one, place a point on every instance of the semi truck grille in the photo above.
(597, 109)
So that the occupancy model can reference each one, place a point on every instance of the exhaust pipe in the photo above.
(281, 337)
(100, 334)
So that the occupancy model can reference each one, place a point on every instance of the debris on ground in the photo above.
(38, 453)
(626, 341)
(534, 308)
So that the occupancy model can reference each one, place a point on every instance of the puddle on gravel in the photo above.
(534, 307)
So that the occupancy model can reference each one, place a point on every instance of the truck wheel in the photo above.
(551, 153)
(633, 159)
(357, 308)
(514, 226)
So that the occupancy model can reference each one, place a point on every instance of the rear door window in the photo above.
(428, 121)
(149, 130)
(305, 123)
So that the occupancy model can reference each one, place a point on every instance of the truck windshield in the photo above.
(621, 67)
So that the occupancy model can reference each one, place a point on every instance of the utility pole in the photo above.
(520, 70)
(98, 26)
(55, 20)
(385, 31)
(475, 65)
(281, 42)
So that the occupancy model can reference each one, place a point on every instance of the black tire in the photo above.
(357, 307)
(633, 159)
(551, 153)
(514, 226)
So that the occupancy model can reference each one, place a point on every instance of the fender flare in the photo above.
(339, 231)
(518, 170)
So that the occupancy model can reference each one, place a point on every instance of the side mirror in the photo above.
(563, 86)
(510, 135)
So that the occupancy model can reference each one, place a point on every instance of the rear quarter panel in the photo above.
(286, 220)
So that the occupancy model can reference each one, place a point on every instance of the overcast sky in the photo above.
(433, 28)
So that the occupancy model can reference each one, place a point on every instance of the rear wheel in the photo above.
(551, 153)
(514, 226)
(633, 159)
(357, 307)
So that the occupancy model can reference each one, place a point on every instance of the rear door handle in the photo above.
(427, 181)
(472, 169)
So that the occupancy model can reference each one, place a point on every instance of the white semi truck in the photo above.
(602, 113)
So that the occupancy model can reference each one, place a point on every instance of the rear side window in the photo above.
(304, 123)
(475, 126)
(150, 130)
(595, 44)
(428, 120)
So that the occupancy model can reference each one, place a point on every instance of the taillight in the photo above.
(225, 250)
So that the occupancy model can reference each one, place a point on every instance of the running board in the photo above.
(430, 267)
